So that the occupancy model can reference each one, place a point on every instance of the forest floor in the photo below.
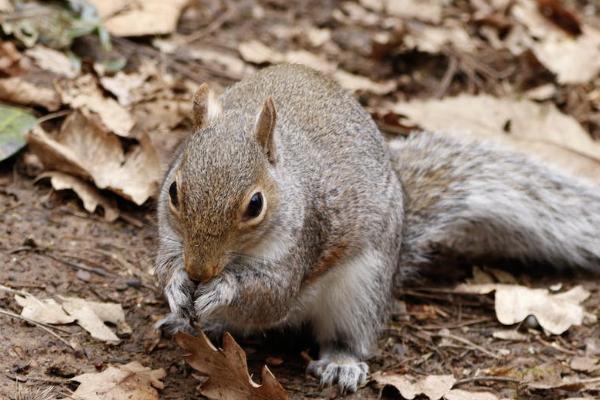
(50, 246)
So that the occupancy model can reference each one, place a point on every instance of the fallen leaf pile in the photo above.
(90, 315)
(227, 370)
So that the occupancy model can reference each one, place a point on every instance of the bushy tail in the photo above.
(474, 201)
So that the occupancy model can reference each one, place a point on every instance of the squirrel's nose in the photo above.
(200, 274)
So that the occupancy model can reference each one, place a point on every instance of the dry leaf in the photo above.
(457, 394)
(317, 37)
(138, 18)
(554, 312)
(511, 335)
(31, 89)
(555, 12)
(219, 60)
(123, 86)
(423, 10)
(256, 52)
(83, 94)
(539, 130)
(10, 58)
(585, 364)
(435, 39)
(355, 82)
(131, 381)
(45, 311)
(227, 370)
(88, 194)
(432, 386)
(54, 61)
(84, 149)
(572, 59)
(91, 316)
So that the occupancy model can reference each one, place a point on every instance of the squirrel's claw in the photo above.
(348, 375)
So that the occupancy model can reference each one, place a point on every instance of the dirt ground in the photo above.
(49, 246)
(39, 227)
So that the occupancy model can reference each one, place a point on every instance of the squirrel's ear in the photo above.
(265, 127)
(206, 106)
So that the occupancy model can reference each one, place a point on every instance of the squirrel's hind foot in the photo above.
(347, 372)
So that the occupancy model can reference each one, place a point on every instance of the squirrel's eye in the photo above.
(254, 206)
(173, 194)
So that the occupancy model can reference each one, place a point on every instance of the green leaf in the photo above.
(15, 123)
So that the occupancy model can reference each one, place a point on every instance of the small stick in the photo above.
(486, 378)
(73, 265)
(466, 342)
(39, 325)
(13, 291)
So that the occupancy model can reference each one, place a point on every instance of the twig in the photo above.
(212, 27)
(39, 325)
(53, 115)
(466, 342)
(13, 291)
(76, 266)
(447, 78)
(458, 325)
(486, 379)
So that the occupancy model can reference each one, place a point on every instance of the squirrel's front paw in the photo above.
(213, 297)
(174, 323)
(346, 371)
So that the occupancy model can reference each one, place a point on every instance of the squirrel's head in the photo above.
(223, 195)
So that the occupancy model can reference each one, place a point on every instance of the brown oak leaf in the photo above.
(227, 370)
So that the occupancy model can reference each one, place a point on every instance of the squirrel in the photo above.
(287, 206)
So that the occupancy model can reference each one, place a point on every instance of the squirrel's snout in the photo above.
(198, 273)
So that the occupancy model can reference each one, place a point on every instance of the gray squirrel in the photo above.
(287, 206)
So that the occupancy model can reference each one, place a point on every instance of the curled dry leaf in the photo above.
(148, 17)
(83, 94)
(46, 311)
(227, 370)
(91, 316)
(255, 52)
(88, 194)
(539, 130)
(85, 149)
(131, 381)
(30, 90)
(432, 386)
(554, 312)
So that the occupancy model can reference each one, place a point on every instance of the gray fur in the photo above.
(335, 234)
